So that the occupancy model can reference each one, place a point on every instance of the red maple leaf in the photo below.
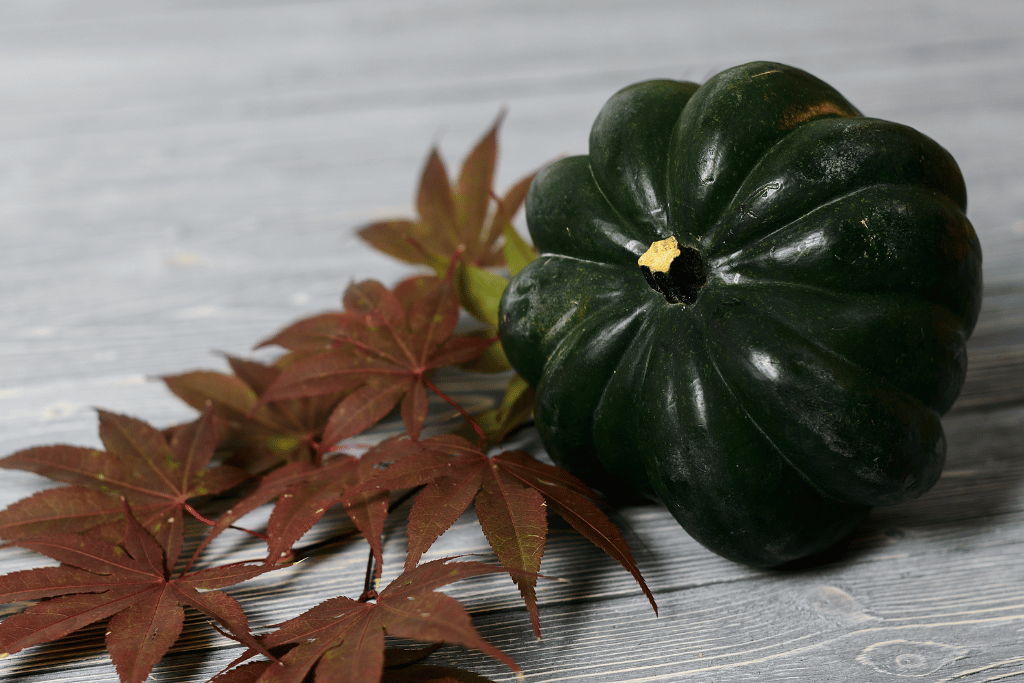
(454, 218)
(509, 492)
(306, 491)
(128, 582)
(157, 477)
(388, 343)
(343, 639)
(262, 434)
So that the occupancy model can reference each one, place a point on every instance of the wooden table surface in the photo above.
(181, 178)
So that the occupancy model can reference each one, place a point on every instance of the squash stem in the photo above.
(677, 273)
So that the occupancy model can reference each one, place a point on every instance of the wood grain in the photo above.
(178, 178)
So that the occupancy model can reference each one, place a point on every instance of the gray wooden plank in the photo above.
(942, 569)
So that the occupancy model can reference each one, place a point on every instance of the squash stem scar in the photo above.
(677, 273)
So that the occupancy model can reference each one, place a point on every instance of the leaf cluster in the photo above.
(276, 434)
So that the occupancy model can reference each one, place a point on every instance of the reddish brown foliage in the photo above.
(157, 478)
(117, 527)
(384, 348)
(343, 639)
(454, 218)
(260, 435)
(130, 582)
(511, 493)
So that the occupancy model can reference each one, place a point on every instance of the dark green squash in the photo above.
(750, 301)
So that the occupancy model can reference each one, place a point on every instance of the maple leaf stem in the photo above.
(216, 627)
(316, 445)
(369, 592)
(254, 534)
(453, 261)
(202, 546)
(198, 516)
(230, 636)
(462, 411)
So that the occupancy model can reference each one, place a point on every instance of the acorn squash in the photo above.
(752, 302)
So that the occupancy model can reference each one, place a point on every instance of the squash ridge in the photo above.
(880, 488)
(716, 366)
